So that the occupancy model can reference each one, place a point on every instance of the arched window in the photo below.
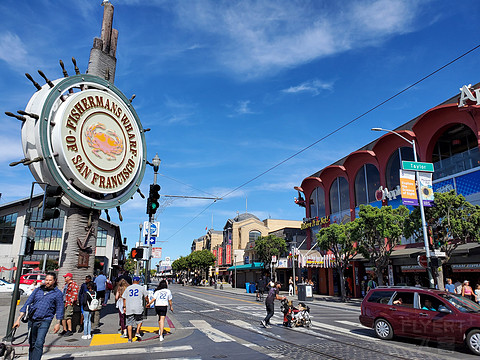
(367, 181)
(392, 172)
(455, 151)
(317, 203)
(254, 235)
(339, 196)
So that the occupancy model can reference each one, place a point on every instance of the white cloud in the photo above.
(243, 108)
(257, 38)
(313, 86)
(12, 50)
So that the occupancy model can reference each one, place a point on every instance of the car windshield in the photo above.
(461, 303)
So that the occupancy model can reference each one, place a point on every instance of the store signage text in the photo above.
(315, 222)
(467, 93)
(383, 193)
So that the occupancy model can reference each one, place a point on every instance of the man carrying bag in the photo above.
(43, 304)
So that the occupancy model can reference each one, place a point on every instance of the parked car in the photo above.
(6, 287)
(422, 313)
(31, 277)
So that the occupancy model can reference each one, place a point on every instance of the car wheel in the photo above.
(383, 329)
(473, 341)
(308, 322)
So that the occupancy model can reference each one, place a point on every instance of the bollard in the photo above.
(221, 286)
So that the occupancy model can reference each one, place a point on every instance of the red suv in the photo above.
(422, 313)
(31, 277)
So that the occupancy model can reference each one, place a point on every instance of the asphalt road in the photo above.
(225, 325)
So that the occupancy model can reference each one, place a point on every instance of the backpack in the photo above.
(94, 304)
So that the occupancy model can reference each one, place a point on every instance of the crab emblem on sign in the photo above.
(107, 142)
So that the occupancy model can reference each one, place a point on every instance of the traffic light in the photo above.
(51, 200)
(152, 201)
(137, 253)
(29, 246)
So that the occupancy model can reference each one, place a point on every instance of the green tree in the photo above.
(340, 240)
(379, 231)
(201, 260)
(452, 221)
(268, 246)
(130, 265)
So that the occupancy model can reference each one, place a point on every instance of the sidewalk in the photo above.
(107, 333)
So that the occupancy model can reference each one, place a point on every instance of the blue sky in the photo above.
(232, 88)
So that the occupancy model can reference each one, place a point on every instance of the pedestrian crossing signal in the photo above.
(137, 253)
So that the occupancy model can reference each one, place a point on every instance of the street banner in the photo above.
(220, 254)
(425, 180)
(408, 189)
(157, 253)
(228, 253)
(214, 252)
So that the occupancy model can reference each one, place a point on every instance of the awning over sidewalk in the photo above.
(253, 266)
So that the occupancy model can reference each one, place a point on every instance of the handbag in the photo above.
(28, 314)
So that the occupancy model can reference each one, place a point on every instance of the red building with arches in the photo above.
(447, 136)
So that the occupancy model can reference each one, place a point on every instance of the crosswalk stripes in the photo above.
(212, 333)
(350, 323)
(121, 353)
(337, 329)
(218, 336)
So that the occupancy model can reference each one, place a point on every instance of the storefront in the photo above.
(446, 135)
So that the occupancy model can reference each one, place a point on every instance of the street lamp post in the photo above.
(235, 257)
(137, 266)
(422, 210)
(156, 164)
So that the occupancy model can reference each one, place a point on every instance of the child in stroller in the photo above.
(295, 316)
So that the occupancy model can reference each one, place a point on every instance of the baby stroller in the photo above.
(295, 316)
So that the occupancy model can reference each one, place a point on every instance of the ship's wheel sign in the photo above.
(90, 138)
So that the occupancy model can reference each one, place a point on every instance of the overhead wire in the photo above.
(333, 132)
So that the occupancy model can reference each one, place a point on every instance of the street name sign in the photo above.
(417, 166)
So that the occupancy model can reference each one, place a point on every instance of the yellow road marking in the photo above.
(227, 297)
(112, 339)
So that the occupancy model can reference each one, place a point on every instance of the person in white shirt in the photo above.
(162, 298)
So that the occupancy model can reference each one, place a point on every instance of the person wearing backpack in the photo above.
(90, 305)
(371, 285)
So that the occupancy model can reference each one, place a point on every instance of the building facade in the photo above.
(448, 136)
(49, 236)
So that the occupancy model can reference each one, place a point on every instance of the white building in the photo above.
(49, 236)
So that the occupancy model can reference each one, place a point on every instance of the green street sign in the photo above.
(417, 166)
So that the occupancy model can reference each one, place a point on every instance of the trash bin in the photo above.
(247, 287)
(252, 288)
(305, 292)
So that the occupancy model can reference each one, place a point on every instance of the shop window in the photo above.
(317, 203)
(455, 151)
(392, 172)
(101, 237)
(7, 228)
(367, 181)
(48, 234)
(339, 196)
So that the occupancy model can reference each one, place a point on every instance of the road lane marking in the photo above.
(213, 334)
(248, 326)
(120, 352)
(224, 297)
(350, 323)
(343, 331)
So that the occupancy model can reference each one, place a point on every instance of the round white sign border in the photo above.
(44, 133)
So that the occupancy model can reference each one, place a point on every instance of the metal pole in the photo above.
(45, 257)
(18, 273)
(293, 268)
(424, 223)
(235, 257)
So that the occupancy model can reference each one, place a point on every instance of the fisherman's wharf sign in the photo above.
(90, 138)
